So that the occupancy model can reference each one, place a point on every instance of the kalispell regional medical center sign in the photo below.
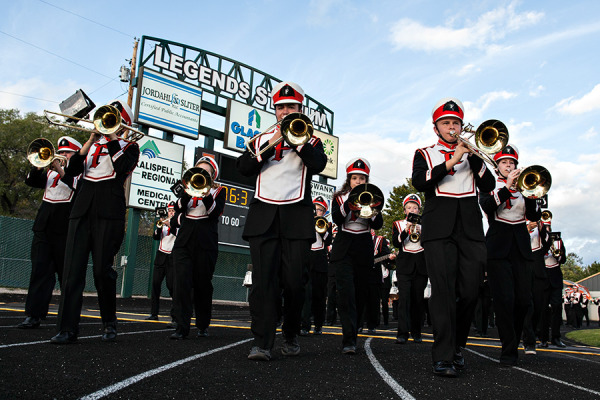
(158, 168)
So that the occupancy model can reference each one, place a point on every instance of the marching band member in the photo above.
(379, 272)
(509, 252)
(352, 253)
(195, 253)
(585, 302)
(280, 227)
(452, 238)
(552, 320)
(386, 286)
(331, 313)
(96, 225)
(411, 273)
(163, 262)
(49, 231)
(316, 287)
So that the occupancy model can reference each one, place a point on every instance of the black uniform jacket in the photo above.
(539, 267)
(203, 233)
(407, 263)
(104, 198)
(319, 258)
(500, 235)
(358, 246)
(440, 213)
(51, 217)
(158, 235)
(297, 219)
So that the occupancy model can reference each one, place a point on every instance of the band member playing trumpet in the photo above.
(352, 253)
(452, 236)
(96, 225)
(280, 226)
(49, 231)
(509, 252)
(195, 252)
(163, 261)
(411, 272)
(316, 288)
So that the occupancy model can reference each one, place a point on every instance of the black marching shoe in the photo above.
(318, 331)
(110, 333)
(445, 369)
(543, 344)
(417, 339)
(400, 340)
(177, 336)
(202, 333)
(29, 323)
(459, 360)
(290, 347)
(152, 318)
(304, 332)
(350, 350)
(558, 343)
(64, 338)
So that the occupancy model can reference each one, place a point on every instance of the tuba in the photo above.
(41, 153)
(296, 129)
(366, 200)
(490, 138)
(197, 182)
(534, 182)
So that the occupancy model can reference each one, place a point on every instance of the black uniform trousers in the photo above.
(331, 313)
(540, 292)
(552, 316)
(193, 269)
(47, 259)
(315, 296)
(103, 238)
(385, 299)
(163, 268)
(277, 263)
(455, 269)
(411, 290)
(510, 281)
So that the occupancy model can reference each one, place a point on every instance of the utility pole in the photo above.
(132, 78)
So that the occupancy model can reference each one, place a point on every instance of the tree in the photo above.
(394, 210)
(592, 269)
(16, 133)
(572, 268)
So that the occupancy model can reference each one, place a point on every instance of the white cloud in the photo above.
(588, 102)
(489, 28)
(589, 134)
(476, 110)
(536, 91)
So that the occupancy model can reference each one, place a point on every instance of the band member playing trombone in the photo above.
(163, 261)
(49, 231)
(96, 225)
(196, 249)
(509, 252)
(280, 226)
(411, 272)
(452, 234)
(316, 288)
(352, 252)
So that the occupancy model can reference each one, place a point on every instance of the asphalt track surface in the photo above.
(144, 364)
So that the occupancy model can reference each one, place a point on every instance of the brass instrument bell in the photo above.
(41, 153)
(196, 182)
(367, 199)
(534, 182)
(321, 225)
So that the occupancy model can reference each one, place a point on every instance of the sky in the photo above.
(379, 65)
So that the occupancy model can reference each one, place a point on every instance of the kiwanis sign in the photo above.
(158, 169)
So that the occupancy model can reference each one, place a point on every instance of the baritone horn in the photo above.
(197, 182)
(366, 200)
(296, 129)
(321, 225)
(490, 138)
(107, 119)
(41, 153)
(534, 182)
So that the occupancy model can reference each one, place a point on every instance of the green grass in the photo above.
(589, 337)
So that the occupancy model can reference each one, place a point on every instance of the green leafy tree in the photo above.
(592, 269)
(394, 210)
(572, 269)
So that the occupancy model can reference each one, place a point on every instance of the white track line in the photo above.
(4, 346)
(538, 375)
(400, 391)
(136, 378)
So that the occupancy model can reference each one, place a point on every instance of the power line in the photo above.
(87, 19)
(30, 97)
(56, 55)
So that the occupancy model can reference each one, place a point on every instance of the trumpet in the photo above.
(367, 200)
(413, 235)
(41, 153)
(321, 225)
(490, 138)
(107, 120)
(161, 222)
(554, 236)
(296, 129)
(534, 182)
(196, 182)
(546, 216)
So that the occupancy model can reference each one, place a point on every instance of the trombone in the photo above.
(366, 199)
(161, 222)
(321, 225)
(296, 129)
(554, 236)
(546, 216)
(41, 153)
(490, 138)
(196, 182)
(107, 119)
(534, 182)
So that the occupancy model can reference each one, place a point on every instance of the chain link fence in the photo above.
(15, 264)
